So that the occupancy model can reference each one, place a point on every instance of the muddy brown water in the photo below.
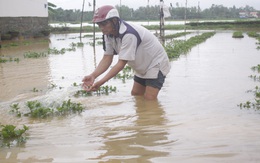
(196, 118)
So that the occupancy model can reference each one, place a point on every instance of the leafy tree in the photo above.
(51, 7)
(152, 13)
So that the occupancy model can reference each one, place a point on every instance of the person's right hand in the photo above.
(88, 82)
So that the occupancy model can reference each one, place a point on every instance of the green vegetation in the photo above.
(255, 104)
(256, 68)
(52, 51)
(103, 90)
(38, 110)
(34, 54)
(252, 104)
(248, 25)
(216, 12)
(258, 47)
(10, 59)
(10, 136)
(126, 73)
(177, 47)
(253, 34)
(238, 34)
(256, 36)
(15, 109)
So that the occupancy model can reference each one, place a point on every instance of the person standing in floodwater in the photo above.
(135, 46)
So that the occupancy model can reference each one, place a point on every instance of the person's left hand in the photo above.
(95, 86)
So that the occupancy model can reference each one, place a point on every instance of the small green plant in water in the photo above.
(102, 90)
(253, 34)
(256, 103)
(37, 110)
(106, 90)
(124, 74)
(256, 68)
(68, 107)
(15, 109)
(10, 59)
(9, 135)
(34, 54)
(238, 34)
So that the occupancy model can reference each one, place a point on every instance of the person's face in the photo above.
(106, 27)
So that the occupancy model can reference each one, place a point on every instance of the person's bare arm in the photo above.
(103, 65)
(113, 72)
(101, 68)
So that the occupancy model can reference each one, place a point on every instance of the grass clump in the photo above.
(238, 34)
(253, 34)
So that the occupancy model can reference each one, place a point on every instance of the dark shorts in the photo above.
(156, 83)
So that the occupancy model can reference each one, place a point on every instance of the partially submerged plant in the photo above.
(68, 107)
(102, 90)
(34, 54)
(255, 104)
(38, 110)
(253, 34)
(238, 34)
(177, 47)
(106, 90)
(252, 104)
(9, 135)
(126, 73)
(10, 59)
(256, 68)
(15, 109)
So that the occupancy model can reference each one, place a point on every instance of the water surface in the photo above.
(196, 118)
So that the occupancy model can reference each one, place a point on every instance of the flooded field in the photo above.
(196, 117)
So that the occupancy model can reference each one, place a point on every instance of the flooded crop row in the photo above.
(197, 117)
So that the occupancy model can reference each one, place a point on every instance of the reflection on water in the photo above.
(196, 118)
(141, 141)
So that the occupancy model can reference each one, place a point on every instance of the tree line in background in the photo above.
(152, 13)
